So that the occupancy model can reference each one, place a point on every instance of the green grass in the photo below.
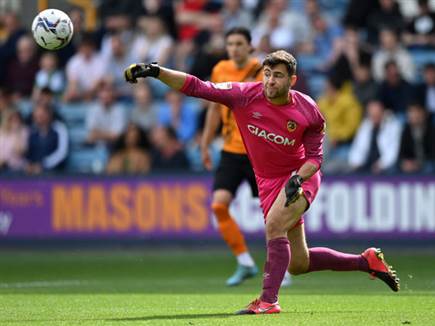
(173, 287)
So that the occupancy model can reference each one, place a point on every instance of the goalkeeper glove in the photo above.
(293, 189)
(141, 70)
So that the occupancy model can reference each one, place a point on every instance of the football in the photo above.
(52, 29)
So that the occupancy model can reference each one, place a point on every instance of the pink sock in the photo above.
(277, 262)
(329, 259)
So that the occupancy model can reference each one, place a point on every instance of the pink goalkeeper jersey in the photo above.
(278, 138)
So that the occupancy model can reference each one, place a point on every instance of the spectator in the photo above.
(286, 29)
(364, 87)
(47, 142)
(49, 76)
(76, 15)
(391, 49)
(105, 120)
(349, 53)
(387, 16)
(117, 24)
(342, 113)
(22, 70)
(395, 92)
(13, 142)
(420, 32)
(179, 114)
(168, 152)
(154, 44)
(120, 57)
(376, 145)
(84, 72)
(5, 103)
(358, 11)
(11, 32)
(165, 11)
(234, 15)
(131, 154)
(426, 90)
(417, 148)
(191, 18)
(145, 112)
(324, 32)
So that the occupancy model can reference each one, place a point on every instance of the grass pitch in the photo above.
(174, 287)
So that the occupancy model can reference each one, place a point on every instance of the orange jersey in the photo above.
(226, 71)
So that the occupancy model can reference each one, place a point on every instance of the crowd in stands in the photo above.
(369, 64)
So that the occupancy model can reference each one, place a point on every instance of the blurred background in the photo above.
(122, 163)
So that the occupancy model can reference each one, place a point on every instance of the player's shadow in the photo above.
(173, 317)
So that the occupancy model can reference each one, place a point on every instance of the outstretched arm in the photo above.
(225, 93)
(173, 78)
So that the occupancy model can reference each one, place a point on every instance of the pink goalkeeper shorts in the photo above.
(269, 189)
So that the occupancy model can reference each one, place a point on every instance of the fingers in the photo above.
(206, 161)
(129, 75)
(294, 197)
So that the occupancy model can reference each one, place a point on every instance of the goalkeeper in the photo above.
(234, 166)
(283, 132)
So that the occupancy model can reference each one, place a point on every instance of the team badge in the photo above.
(291, 125)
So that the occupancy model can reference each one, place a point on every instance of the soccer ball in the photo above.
(52, 29)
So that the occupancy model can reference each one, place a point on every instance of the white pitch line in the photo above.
(42, 284)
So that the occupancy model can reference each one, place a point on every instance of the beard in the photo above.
(273, 93)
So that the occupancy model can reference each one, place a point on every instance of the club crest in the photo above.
(291, 125)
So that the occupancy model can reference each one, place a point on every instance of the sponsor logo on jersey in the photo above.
(226, 85)
(270, 136)
(291, 125)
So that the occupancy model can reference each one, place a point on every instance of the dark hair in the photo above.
(143, 141)
(430, 65)
(241, 31)
(336, 81)
(88, 39)
(281, 56)
(416, 103)
(390, 63)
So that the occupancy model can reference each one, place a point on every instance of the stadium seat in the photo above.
(422, 57)
(77, 135)
(317, 84)
(74, 114)
(87, 160)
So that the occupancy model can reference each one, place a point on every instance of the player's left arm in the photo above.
(312, 140)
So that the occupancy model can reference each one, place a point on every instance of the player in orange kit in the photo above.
(234, 166)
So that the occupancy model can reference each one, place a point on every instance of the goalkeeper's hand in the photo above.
(141, 70)
(293, 189)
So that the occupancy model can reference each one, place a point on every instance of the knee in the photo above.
(275, 229)
(221, 211)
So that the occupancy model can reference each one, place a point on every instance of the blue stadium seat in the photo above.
(422, 57)
(74, 114)
(309, 63)
(87, 159)
(77, 135)
(317, 84)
